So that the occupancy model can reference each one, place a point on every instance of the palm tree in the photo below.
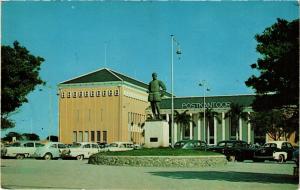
(210, 114)
(183, 119)
(235, 113)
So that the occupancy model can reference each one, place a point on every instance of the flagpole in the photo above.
(172, 92)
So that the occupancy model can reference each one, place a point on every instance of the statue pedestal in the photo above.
(156, 134)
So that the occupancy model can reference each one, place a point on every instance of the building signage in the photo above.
(207, 105)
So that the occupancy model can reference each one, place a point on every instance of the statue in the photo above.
(155, 95)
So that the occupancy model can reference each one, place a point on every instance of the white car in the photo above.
(21, 150)
(81, 150)
(50, 150)
(120, 146)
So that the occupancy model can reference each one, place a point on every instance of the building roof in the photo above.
(104, 75)
(211, 101)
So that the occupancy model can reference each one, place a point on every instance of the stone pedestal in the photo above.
(156, 134)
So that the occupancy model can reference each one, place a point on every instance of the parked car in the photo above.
(20, 150)
(274, 150)
(81, 150)
(120, 146)
(103, 146)
(3, 149)
(191, 144)
(296, 156)
(234, 150)
(50, 150)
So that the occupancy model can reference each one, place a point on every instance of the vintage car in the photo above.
(234, 150)
(274, 150)
(50, 150)
(191, 144)
(120, 146)
(20, 150)
(81, 150)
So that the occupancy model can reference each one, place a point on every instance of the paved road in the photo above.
(73, 174)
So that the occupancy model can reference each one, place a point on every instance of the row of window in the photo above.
(92, 136)
(136, 118)
(97, 93)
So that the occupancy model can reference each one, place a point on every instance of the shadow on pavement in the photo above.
(231, 176)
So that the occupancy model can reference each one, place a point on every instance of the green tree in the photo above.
(30, 136)
(277, 85)
(9, 136)
(20, 75)
(183, 119)
(274, 123)
(52, 138)
(210, 114)
(236, 112)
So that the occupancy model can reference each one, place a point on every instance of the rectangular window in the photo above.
(153, 139)
(103, 93)
(98, 93)
(86, 136)
(104, 136)
(110, 93)
(62, 95)
(93, 136)
(74, 136)
(86, 94)
(69, 95)
(92, 93)
(74, 94)
(80, 136)
(98, 136)
(117, 92)
(80, 94)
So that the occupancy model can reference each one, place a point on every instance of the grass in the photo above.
(161, 152)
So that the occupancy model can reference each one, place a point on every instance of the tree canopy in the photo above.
(20, 75)
(277, 85)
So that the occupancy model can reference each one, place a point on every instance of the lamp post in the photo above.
(178, 52)
(204, 85)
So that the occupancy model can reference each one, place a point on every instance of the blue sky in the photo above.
(216, 38)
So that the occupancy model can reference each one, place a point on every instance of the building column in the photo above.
(223, 126)
(240, 129)
(204, 132)
(175, 132)
(199, 129)
(215, 130)
(208, 135)
(191, 127)
(249, 130)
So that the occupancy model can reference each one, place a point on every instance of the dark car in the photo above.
(275, 150)
(234, 150)
(191, 144)
(296, 156)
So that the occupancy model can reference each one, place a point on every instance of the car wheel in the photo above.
(20, 156)
(48, 156)
(79, 157)
(280, 159)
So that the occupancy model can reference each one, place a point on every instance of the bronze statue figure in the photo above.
(156, 90)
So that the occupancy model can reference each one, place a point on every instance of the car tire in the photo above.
(79, 157)
(281, 158)
(48, 156)
(20, 156)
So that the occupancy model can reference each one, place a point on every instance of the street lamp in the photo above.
(178, 52)
(204, 85)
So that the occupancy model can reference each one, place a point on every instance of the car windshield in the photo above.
(272, 145)
(180, 144)
(75, 145)
(16, 144)
(113, 145)
(39, 145)
(229, 144)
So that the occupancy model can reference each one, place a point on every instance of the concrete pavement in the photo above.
(73, 174)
